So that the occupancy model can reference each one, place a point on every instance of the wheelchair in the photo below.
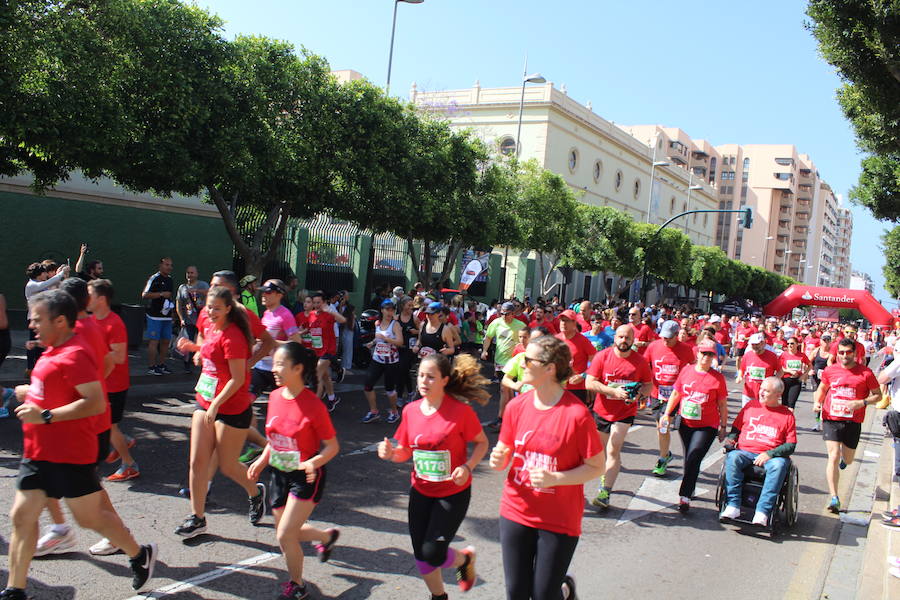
(786, 509)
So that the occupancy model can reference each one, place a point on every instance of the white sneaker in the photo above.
(760, 518)
(730, 512)
(55, 543)
(103, 548)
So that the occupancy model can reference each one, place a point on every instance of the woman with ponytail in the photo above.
(435, 433)
(300, 440)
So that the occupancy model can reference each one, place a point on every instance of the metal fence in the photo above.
(388, 262)
(331, 254)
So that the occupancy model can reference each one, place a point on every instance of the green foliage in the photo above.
(709, 269)
(891, 269)
(861, 39)
(549, 208)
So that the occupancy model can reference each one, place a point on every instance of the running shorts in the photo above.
(604, 426)
(845, 432)
(282, 483)
(58, 480)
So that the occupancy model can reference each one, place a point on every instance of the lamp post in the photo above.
(387, 87)
(526, 78)
(653, 164)
(766, 252)
(691, 188)
(786, 259)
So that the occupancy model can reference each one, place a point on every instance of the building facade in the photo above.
(861, 281)
(842, 268)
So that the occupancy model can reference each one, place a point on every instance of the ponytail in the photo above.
(466, 383)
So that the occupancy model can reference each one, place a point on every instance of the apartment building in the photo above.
(842, 268)
(861, 281)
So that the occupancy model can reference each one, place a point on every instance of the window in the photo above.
(727, 175)
(785, 162)
(598, 170)
(507, 146)
(672, 205)
(637, 188)
(618, 181)
(684, 207)
(746, 164)
(573, 159)
(783, 176)
(705, 220)
(712, 170)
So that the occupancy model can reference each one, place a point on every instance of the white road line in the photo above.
(181, 586)
(635, 428)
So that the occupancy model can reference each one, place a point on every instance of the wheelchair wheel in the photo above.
(792, 496)
(720, 489)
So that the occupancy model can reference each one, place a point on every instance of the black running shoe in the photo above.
(332, 404)
(192, 527)
(142, 565)
(324, 550)
(13, 594)
(569, 584)
(258, 504)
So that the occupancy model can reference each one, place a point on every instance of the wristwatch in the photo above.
(47, 416)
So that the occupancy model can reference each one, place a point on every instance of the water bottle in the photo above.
(664, 428)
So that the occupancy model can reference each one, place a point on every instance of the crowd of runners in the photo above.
(571, 380)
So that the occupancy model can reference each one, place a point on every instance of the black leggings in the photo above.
(376, 370)
(432, 526)
(697, 441)
(792, 387)
(535, 561)
(404, 380)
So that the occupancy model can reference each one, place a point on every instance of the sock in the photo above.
(60, 529)
(331, 397)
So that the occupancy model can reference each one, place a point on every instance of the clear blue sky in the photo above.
(728, 72)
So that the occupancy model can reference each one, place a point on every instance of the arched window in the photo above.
(618, 181)
(598, 170)
(573, 159)
(637, 188)
(507, 146)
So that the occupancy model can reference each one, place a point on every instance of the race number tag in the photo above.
(285, 460)
(794, 365)
(665, 391)
(840, 400)
(316, 337)
(756, 373)
(432, 465)
(206, 386)
(691, 410)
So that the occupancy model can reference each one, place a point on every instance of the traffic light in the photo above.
(747, 218)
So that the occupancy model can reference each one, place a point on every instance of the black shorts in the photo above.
(282, 483)
(58, 480)
(845, 432)
(329, 357)
(261, 381)
(604, 426)
(117, 405)
(238, 421)
(739, 351)
(102, 447)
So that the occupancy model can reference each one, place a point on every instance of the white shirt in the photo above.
(893, 371)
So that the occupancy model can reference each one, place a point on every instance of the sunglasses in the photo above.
(792, 343)
(528, 360)
(708, 353)
(846, 352)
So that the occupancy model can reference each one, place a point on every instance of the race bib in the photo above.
(794, 365)
(426, 351)
(840, 402)
(206, 386)
(756, 373)
(285, 460)
(315, 336)
(665, 391)
(691, 410)
(432, 465)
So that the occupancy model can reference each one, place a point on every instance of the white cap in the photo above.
(756, 338)
(715, 319)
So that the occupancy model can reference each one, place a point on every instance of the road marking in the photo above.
(181, 586)
(635, 428)
(656, 494)
(870, 454)
(369, 448)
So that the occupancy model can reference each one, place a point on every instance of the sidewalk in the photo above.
(12, 372)
(875, 581)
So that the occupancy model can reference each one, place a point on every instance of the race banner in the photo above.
(824, 314)
(473, 270)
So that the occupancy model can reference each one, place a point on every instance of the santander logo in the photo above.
(807, 296)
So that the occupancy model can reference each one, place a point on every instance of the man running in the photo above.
(324, 343)
(160, 291)
(505, 330)
(666, 357)
(741, 338)
(850, 333)
(846, 389)
(615, 407)
(60, 445)
(643, 334)
(757, 364)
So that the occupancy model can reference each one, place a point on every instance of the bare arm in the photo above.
(264, 348)
(90, 404)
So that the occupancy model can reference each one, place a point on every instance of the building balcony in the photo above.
(676, 158)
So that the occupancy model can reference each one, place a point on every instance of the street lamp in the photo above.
(653, 164)
(691, 188)
(387, 87)
(786, 258)
(526, 78)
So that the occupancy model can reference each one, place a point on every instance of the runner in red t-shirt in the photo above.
(582, 351)
(324, 344)
(795, 369)
(666, 356)
(539, 319)
(741, 339)
(614, 406)
(60, 442)
(701, 396)
(757, 364)
(847, 388)
(224, 407)
(551, 446)
(301, 440)
(643, 334)
(850, 332)
(435, 432)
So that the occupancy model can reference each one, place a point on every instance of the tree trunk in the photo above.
(450, 260)
(546, 288)
(428, 275)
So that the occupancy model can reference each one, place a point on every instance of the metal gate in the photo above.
(331, 254)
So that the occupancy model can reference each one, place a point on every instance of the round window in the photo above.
(573, 159)
(508, 146)
(618, 180)
(598, 171)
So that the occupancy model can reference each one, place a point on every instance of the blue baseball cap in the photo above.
(387, 304)
(434, 307)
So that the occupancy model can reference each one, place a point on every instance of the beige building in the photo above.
(842, 269)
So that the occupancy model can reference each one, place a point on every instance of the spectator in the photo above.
(88, 271)
(159, 291)
(248, 293)
(40, 278)
(189, 300)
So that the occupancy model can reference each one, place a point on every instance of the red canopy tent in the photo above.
(805, 295)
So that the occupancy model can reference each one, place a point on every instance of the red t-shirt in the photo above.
(742, 334)
(756, 367)
(452, 319)
(700, 393)
(89, 334)
(302, 320)
(643, 333)
(763, 428)
(321, 333)
(792, 364)
(582, 352)
(610, 369)
(558, 439)
(523, 318)
(519, 349)
(256, 326)
(846, 385)
(220, 346)
(810, 343)
(438, 442)
(54, 378)
(114, 332)
(665, 365)
(584, 324)
(723, 336)
(296, 427)
(860, 351)
(545, 323)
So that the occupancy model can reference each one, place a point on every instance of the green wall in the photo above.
(129, 241)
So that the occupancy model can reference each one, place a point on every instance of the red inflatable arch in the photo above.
(805, 295)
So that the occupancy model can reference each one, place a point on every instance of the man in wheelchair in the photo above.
(764, 434)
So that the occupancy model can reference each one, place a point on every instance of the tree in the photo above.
(861, 38)
(709, 269)
(605, 240)
(891, 269)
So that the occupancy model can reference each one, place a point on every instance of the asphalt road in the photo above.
(641, 546)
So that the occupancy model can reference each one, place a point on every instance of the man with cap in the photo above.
(757, 363)
(505, 331)
(248, 293)
(666, 356)
(741, 338)
(723, 332)
(582, 352)
(643, 334)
